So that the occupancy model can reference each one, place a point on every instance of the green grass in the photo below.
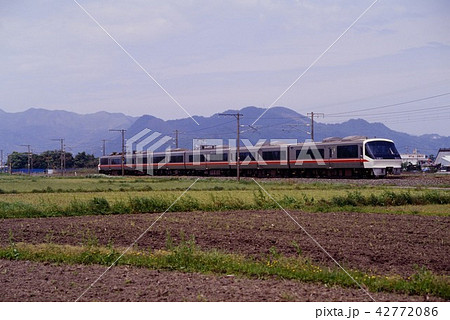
(391, 198)
(186, 257)
(101, 183)
(424, 203)
(50, 205)
(23, 196)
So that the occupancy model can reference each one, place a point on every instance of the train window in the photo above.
(218, 157)
(140, 159)
(158, 159)
(176, 159)
(116, 161)
(271, 155)
(103, 161)
(246, 156)
(381, 150)
(130, 159)
(310, 154)
(196, 158)
(349, 151)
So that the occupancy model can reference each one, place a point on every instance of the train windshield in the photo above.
(381, 150)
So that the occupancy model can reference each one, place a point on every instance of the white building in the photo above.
(414, 158)
(443, 159)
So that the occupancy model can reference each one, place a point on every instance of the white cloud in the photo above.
(213, 53)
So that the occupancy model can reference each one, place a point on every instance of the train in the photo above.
(354, 156)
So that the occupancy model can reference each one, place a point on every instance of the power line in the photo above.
(398, 121)
(393, 112)
(405, 116)
(215, 126)
(390, 105)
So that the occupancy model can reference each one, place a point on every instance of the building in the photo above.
(414, 158)
(443, 159)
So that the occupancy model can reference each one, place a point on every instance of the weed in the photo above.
(391, 198)
(120, 207)
(188, 258)
(297, 248)
(90, 239)
(11, 252)
(262, 201)
(169, 241)
(98, 205)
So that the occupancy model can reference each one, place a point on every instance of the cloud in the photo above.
(214, 53)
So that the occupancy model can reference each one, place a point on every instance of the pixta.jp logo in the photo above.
(140, 150)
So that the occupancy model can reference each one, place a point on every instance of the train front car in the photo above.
(381, 157)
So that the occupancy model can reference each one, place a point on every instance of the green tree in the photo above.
(39, 161)
(18, 160)
(83, 160)
(69, 160)
(51, 158)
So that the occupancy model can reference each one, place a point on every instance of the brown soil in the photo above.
(380, 243)
(31, 281)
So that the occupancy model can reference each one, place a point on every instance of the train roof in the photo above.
(267, 144)
(348, 138)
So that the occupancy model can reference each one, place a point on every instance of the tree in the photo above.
(69, 160)
(83, 160)
(51, 159)
(18, 160)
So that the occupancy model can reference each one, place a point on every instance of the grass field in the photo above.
(22, 196)
(94, 195)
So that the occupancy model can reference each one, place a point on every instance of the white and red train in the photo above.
(353, 156)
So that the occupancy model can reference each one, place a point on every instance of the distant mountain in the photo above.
(38, 127)
(280, 123)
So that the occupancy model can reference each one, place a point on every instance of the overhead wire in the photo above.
(393, 112)
(390, 105)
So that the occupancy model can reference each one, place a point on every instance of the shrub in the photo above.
(98, 205)
(390, 198)
(148, 204)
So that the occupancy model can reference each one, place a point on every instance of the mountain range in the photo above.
(39, 128)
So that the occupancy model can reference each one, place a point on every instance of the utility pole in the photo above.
(104, 147)
(176, 138)
(8, 164)
(122, 131)
(29, 157)
(312, 114)
(63, 155)
(238, 155)
(1, 160)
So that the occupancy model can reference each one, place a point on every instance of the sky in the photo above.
(392, 66)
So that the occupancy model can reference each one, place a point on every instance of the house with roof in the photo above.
(443, 159)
